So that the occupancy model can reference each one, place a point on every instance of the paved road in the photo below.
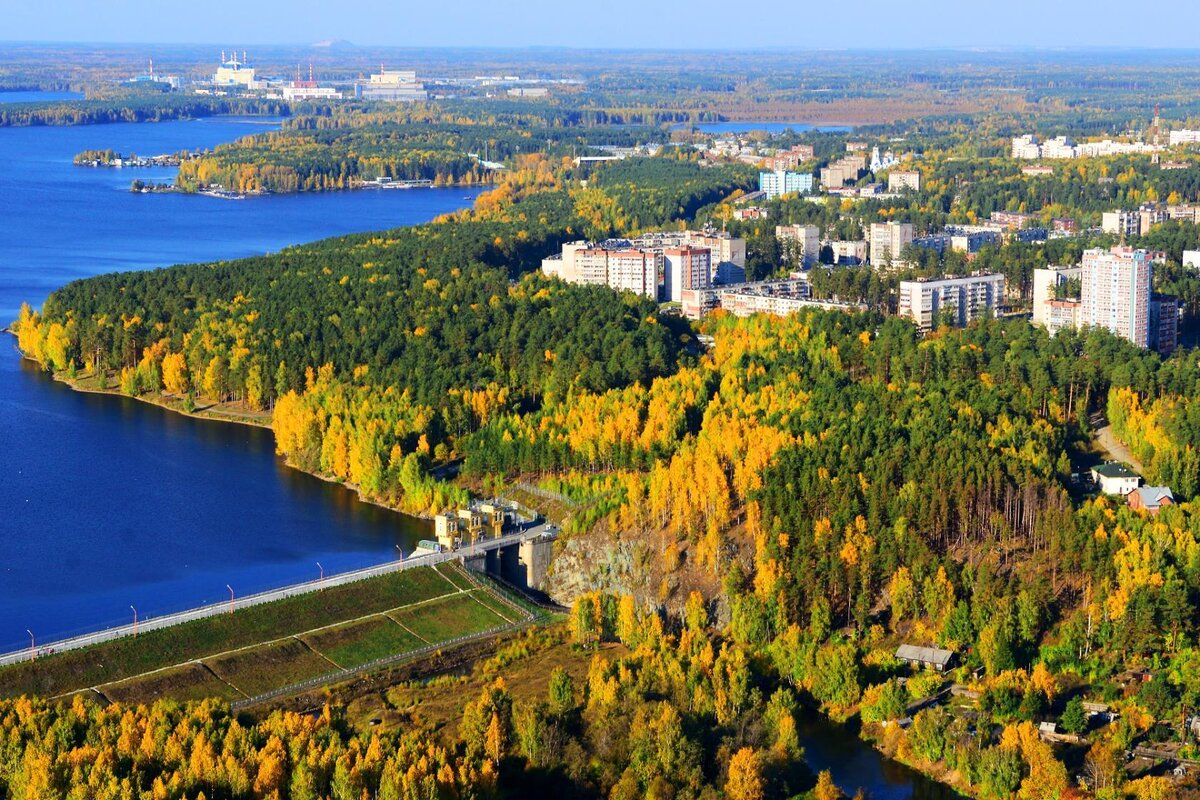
(1114, 449)
(169, 620)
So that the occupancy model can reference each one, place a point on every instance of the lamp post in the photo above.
(230, 588)
(321, 580)
(134, 622)
(32, 646)
(400, 551)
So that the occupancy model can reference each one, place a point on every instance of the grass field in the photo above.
(113, 661)
(359, 643)
(445, 619)
(189, 682)
(261, 669)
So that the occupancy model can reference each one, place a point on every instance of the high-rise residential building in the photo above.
(1121, 223)
(685, 268)
(780, 182)
(960, 300)
(625, 269)
(1026, 147)
(888, 240)
(1116, 292)
(1164, 324)
(800, 242)
(726, 249)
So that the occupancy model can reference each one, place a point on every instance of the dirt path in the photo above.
(1113, 449)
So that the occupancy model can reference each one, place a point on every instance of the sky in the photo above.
(652, 24)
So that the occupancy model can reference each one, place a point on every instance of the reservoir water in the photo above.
(107, 503)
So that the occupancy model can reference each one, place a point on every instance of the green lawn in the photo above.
(358, 643)
(261, 669)
(112, 661)
(189, 682)
(455, 576)
(446, 619)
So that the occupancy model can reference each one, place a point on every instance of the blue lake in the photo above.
(38, 97)
(106, 502)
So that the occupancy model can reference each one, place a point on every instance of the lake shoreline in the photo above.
(166, 404)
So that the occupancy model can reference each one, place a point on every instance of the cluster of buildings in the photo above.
(1113, 293)
(236, 75)
(789, 159)
(846, 170)
(1028, 147)
(781, 182)
(1139, 222)
(780, 297)
(660, 265)
(1113, 478)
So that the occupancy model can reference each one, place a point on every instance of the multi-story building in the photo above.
(1149, 216)
(800, 242)
(1012, 220)
(958, 300)
(1037, 170)
(767, 297)
(781, 182)
(392, 84)
(1116, 292)
(726, 248)
(1026, 147)
(938, 242)
(750, 212)
(1184, 137)
(1121, 223)
(901, 179)
(634, 271)
(846, 169)
(1164, 324)
(849, 253)
(974, 241)
(685, 268)
(888, 240)
(1065, 225)
(1191, 258)
(1048, 310)
(791, 158)
(1060, 147)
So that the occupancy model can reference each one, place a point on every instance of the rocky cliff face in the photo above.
(654, 569)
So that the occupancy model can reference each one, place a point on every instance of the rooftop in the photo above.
(1113, 469)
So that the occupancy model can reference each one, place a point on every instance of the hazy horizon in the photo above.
(625, 25)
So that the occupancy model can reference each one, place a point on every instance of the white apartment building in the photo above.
(781, 182)
(888, 240)
(901, 179)
(1048, 311)
(967, 299)
(685, 268)
(1184, 137)
(849, 253)
(1116, 292)
(1026, 147)
(1191, 258)
(1121, 223)
(802, 242)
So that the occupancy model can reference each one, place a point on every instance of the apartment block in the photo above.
(888, 240)
(801, 242)
(1116, 292)
(849, 253)
(781, 182)
(901, 179)
(1049, 310)
(685, 268)
(963, 299)
(1121, 223)
(766, 297)
(1164, 324)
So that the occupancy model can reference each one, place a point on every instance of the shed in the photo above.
(930, 657)
(1115, 478)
